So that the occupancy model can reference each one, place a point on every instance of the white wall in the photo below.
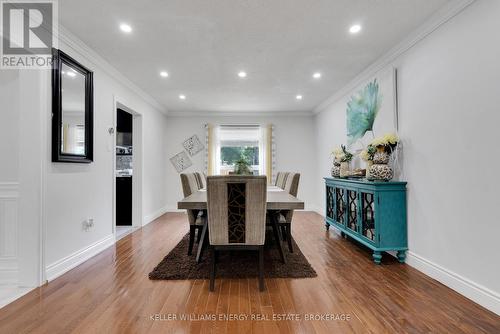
(60, 196)
(294, 149)
(76, 192)
(9, 123)
(9, 185)
(448, 110)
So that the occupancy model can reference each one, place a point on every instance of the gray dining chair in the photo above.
(192, 182)
(236, 217)
(280, 179)
(290, 184)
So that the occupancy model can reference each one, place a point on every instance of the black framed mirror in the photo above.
(72, 110)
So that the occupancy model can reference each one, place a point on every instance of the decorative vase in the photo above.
(380, 170)
(336, 169)
(344, 169)
(369, 164)
(381, 157)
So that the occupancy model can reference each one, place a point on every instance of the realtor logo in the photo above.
(27, 33)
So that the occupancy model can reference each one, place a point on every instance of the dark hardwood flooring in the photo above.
(111, 293)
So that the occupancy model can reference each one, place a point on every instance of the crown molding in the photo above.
(88, 53)
(240, 114)
(441, 17)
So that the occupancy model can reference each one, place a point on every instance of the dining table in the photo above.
(277, 200)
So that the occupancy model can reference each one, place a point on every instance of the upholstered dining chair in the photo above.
(280, 180)
(192, 182)
(236, 217)
(289, 182)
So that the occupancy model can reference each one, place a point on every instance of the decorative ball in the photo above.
(381, 172)
(336, 170)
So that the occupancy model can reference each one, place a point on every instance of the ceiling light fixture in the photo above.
(242, 74)
(317, 75)
(354, 29)
(182, 97)
(125, 28)
(298, 97)
(164, 74)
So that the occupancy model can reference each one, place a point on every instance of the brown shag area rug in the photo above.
(177, 265)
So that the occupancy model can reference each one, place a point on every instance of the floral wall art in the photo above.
(372, 110)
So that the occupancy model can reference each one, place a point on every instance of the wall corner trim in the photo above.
(441, 17)
(483, 296)
(69, 262)
(87, 52)
(240, 113)
(150, 218)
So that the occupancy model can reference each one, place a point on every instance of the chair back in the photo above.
(203, 180)
(280, 180)
(191, 182)
(236, 209)
(292, 183)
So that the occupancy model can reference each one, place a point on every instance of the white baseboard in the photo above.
(314, 208)
(8, 294)
(172, 207)
(60, 267)
(149, 218)
(478, 293)
(483, 296)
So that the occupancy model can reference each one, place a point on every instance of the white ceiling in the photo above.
(279, 43)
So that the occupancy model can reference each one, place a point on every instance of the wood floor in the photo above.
(111, 293)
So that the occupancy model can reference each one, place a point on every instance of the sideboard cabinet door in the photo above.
(340, 206)
(368, 220)
(352, 210)
(330, 210)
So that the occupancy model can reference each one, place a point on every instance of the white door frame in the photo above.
(137, 162)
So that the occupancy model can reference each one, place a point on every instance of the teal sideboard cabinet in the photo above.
(372, 213)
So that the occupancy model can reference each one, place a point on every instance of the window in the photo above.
(226, 144)
(237, 142)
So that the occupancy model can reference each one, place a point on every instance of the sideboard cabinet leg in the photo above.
(377, 257)
(401, 256)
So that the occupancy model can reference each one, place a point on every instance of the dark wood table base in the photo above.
(273, 217)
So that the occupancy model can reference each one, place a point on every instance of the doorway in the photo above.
(124, 172)
(127, 173)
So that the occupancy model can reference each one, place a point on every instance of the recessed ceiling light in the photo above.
(242, 74)
(182, 97)
(354, 29)
(317, 75)
(298, 97)
(164, 74)
(125, 28)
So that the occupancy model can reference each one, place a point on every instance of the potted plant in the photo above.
(367, 156)
(337, 154)
(385, 145)
(345, 158)
(242, 167)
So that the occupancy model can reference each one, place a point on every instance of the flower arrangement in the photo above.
(341, 154)
(388, 141)
(368, 153)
